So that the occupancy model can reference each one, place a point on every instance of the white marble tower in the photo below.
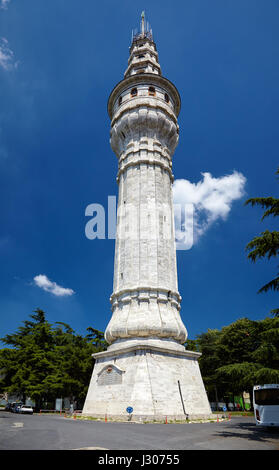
(146, 365)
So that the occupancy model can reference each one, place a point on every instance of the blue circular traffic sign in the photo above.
(129, 409)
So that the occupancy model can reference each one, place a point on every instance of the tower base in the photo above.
(156, 382)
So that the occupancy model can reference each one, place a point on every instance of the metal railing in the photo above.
(138, 36)
(65, 412)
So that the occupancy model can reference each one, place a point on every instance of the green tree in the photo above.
(73, 361)
(29, 362)
(249, 352)
(96, 337)
(191, 345)
(266, 245)
(237, 342)
(209, 363)
(47, 361)
(240, 355)
(267, 353)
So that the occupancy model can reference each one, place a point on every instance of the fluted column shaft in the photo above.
(145, 299)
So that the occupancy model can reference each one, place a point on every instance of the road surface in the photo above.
(54, 432)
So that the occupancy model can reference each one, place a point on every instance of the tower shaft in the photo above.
(144, 134)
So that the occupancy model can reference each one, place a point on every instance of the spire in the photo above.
(142, 23)
(143, 53)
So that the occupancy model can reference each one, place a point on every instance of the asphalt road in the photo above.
(50, 432)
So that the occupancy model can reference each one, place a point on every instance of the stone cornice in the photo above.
(142, 40)
(144, 78)
(142, 50)
(146, 161)
(134, 290)
(148, 348)
(147, 102)
(132, 150)
(136, 64)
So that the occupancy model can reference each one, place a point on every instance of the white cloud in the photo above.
(44, 283)
(7, 60)
(4, 4)
(211, 198)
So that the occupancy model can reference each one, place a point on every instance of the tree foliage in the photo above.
(239, 356)
(47, 361)
(266, 245)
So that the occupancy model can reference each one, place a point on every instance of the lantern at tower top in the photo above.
(143, 53)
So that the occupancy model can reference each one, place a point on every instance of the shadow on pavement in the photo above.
(250, 431)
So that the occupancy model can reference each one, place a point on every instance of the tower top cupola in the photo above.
(143, 53)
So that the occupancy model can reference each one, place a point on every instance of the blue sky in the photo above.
(59, 61)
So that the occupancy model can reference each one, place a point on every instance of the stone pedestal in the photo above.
(156, 382)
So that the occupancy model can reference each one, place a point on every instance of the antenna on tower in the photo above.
(142, 23)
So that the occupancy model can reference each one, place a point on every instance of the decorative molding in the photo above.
(159, 291)
(113, 366)
(147, 348)
(144, 78)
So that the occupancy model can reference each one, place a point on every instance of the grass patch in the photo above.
(234, 413)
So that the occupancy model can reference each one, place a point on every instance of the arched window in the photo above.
(151, 91)
(167, 97)
(119, 100)
(134, 92)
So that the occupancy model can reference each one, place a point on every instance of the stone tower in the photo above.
(146, 365)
